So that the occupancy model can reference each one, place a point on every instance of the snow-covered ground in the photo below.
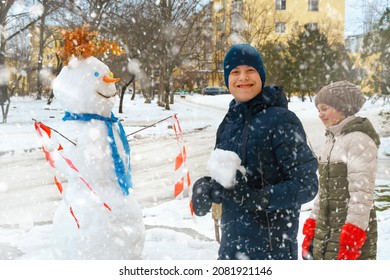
(29, 198)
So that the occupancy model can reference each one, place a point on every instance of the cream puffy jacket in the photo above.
(359, 152)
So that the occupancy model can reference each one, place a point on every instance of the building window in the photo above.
(313, 5)
(280, 4)
(280, 27)
(312, 26)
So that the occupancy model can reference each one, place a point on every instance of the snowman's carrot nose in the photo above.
(110, 78)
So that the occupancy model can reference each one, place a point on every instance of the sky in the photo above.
(353, 18)
(354, 14)
(29, 198)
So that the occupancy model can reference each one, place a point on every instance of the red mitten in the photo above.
(308, 231)
(352, 239)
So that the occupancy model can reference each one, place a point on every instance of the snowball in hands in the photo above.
(223, 166)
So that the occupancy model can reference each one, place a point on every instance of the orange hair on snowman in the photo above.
(84, 43)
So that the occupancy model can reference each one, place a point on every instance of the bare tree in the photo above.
(173, 21)
(157, 36)
(4, 98)
(19, 26)
(42, 26)
(253, 23)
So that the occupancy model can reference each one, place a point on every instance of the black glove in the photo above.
(204, 192)
(251, 199)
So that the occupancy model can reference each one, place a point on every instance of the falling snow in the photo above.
(28, 197)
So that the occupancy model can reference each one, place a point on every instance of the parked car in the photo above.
(214, 91)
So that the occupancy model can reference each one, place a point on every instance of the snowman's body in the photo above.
(114, 231)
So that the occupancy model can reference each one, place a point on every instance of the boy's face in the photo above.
(329, 115)
(244, 83)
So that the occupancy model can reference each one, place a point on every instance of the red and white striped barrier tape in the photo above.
(182, 174)
(52, 150)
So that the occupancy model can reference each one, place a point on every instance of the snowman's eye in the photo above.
(96, 74)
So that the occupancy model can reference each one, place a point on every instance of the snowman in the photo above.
(98, 217)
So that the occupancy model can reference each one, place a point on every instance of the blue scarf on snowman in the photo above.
(123, 176)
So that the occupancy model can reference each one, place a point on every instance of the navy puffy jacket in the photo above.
(271, 143)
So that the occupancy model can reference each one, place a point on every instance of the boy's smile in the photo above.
(245, 86)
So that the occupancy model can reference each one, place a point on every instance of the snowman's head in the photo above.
(86, 86)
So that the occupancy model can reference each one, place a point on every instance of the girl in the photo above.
(342, 224)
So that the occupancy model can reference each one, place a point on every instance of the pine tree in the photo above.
(277, 66)
(314, 63)
(377, 43)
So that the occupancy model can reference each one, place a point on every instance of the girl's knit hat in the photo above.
(243, 54)
(344, 96)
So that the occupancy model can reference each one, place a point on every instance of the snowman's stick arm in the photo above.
(56, 131)
(153, 124)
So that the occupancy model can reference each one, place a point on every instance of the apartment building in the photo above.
(259, 21)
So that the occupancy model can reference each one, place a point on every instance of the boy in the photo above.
(260, 209)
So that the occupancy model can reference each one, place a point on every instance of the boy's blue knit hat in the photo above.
(243, 54)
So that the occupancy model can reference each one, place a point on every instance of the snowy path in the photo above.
(26, 210)
(29, 198)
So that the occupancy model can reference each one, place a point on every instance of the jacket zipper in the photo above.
(269, 232)
(266, 213)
